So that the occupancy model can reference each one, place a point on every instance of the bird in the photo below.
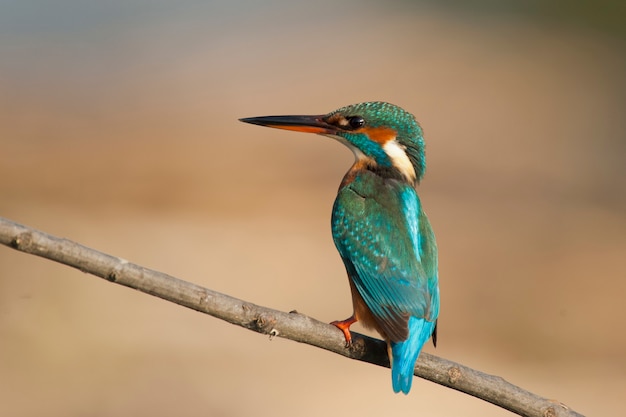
(379, 227)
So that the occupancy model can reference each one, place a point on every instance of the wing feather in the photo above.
(383, 237)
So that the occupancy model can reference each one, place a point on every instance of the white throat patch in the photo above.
(400, 159)
(394, 151)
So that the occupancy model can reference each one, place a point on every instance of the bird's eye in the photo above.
(356, 122)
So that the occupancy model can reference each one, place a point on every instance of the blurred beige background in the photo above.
(118, 129)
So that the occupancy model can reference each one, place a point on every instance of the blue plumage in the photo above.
(388, 247)
(380, 228)
(404, 354)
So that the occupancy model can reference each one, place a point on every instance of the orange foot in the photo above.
(344, 326)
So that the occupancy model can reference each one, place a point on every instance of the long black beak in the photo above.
(310, 124)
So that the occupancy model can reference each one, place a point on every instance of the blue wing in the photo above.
(389, 250)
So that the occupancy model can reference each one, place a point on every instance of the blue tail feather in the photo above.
(404, 354)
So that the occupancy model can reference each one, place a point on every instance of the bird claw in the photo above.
(344, 326)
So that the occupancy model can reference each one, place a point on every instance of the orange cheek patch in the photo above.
(306, 129)
(379, 135)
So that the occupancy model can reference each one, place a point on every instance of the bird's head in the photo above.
(380, 134)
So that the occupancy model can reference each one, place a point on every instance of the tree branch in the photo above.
(293, 326)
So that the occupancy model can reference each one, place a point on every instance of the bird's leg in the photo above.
(344, 326)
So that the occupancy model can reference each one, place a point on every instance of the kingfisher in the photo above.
(379, 227)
